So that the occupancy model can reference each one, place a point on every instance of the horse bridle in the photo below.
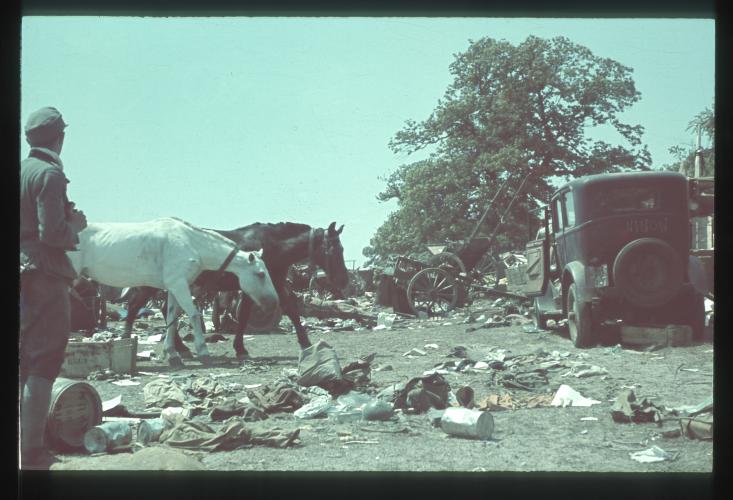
(326, 249)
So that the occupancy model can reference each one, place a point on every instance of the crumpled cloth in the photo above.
(282, 397)
(235, 434)
(230, 407)
(161, 393)
(203, 387)
(359, 372)
(420, 393)
(626, 409)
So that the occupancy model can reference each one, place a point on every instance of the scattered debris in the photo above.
(567, 396)
(625, 409)
(653, 454)
(108, 437)
(467, 423)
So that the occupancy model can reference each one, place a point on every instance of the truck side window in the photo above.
(569, 212)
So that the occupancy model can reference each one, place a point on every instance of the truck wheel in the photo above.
(539, 319)
(648, 272)
(580, 322)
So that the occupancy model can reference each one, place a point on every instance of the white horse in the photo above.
(169, 254)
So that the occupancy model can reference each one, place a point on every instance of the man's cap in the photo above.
(44, 125)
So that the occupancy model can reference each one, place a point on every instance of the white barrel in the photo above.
(108, 437)
(467, 423)
(150, 430)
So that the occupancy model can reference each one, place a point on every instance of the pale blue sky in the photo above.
(228, 121)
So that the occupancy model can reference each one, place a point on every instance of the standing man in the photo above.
(48, 228)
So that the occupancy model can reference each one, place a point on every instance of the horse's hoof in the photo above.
(175, 363)
(243, 356)
(187, 354)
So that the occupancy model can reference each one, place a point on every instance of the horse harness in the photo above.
(327, 249)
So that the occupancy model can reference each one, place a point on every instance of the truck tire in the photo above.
(538, 317)
(580, 321)
(648, 272)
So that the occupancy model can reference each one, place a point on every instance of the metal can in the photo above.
(467, 423)
(108, 437)
(150, 430)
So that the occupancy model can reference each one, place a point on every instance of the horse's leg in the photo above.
(139, 298)
(243, 312)
(289, 305)
(174, 359)
(215, 311)
(182, 295)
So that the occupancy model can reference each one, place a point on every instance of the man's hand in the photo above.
(78, 221)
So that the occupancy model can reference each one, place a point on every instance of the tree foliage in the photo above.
(705, 122)
(510, 110)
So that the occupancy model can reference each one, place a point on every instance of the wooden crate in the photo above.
(671, 335)
(82, 358)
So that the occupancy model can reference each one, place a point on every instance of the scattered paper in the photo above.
(145, 354)
(653, 454)
(108, 405)
(151, 339)
(481, 365)
(415, 352)
(252, 386)
(431, 346)
(589, 419)
(567, 396)
(146, 373)
(125, 382)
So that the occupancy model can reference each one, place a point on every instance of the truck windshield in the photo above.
(627, 199)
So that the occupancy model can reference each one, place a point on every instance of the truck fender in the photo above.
(574, 272)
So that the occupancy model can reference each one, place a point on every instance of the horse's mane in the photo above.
(208, 232)
(280, 230)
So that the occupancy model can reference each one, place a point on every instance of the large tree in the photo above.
(510, 110)
(703, 123)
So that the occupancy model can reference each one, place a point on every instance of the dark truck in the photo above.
(615, 249)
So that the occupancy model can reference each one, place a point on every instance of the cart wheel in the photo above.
(448, 258)
(432, 291)
(487, 272)
(580, 323)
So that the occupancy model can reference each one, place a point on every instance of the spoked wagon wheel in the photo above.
(449, 259)
(486, 272)
(432, 291)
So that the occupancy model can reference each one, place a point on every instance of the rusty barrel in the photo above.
(75, 408)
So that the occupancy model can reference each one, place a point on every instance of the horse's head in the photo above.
(254, 280)
(331, 257)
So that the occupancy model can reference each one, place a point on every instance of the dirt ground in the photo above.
(524, 439)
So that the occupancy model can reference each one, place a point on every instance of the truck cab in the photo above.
(615, 249)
